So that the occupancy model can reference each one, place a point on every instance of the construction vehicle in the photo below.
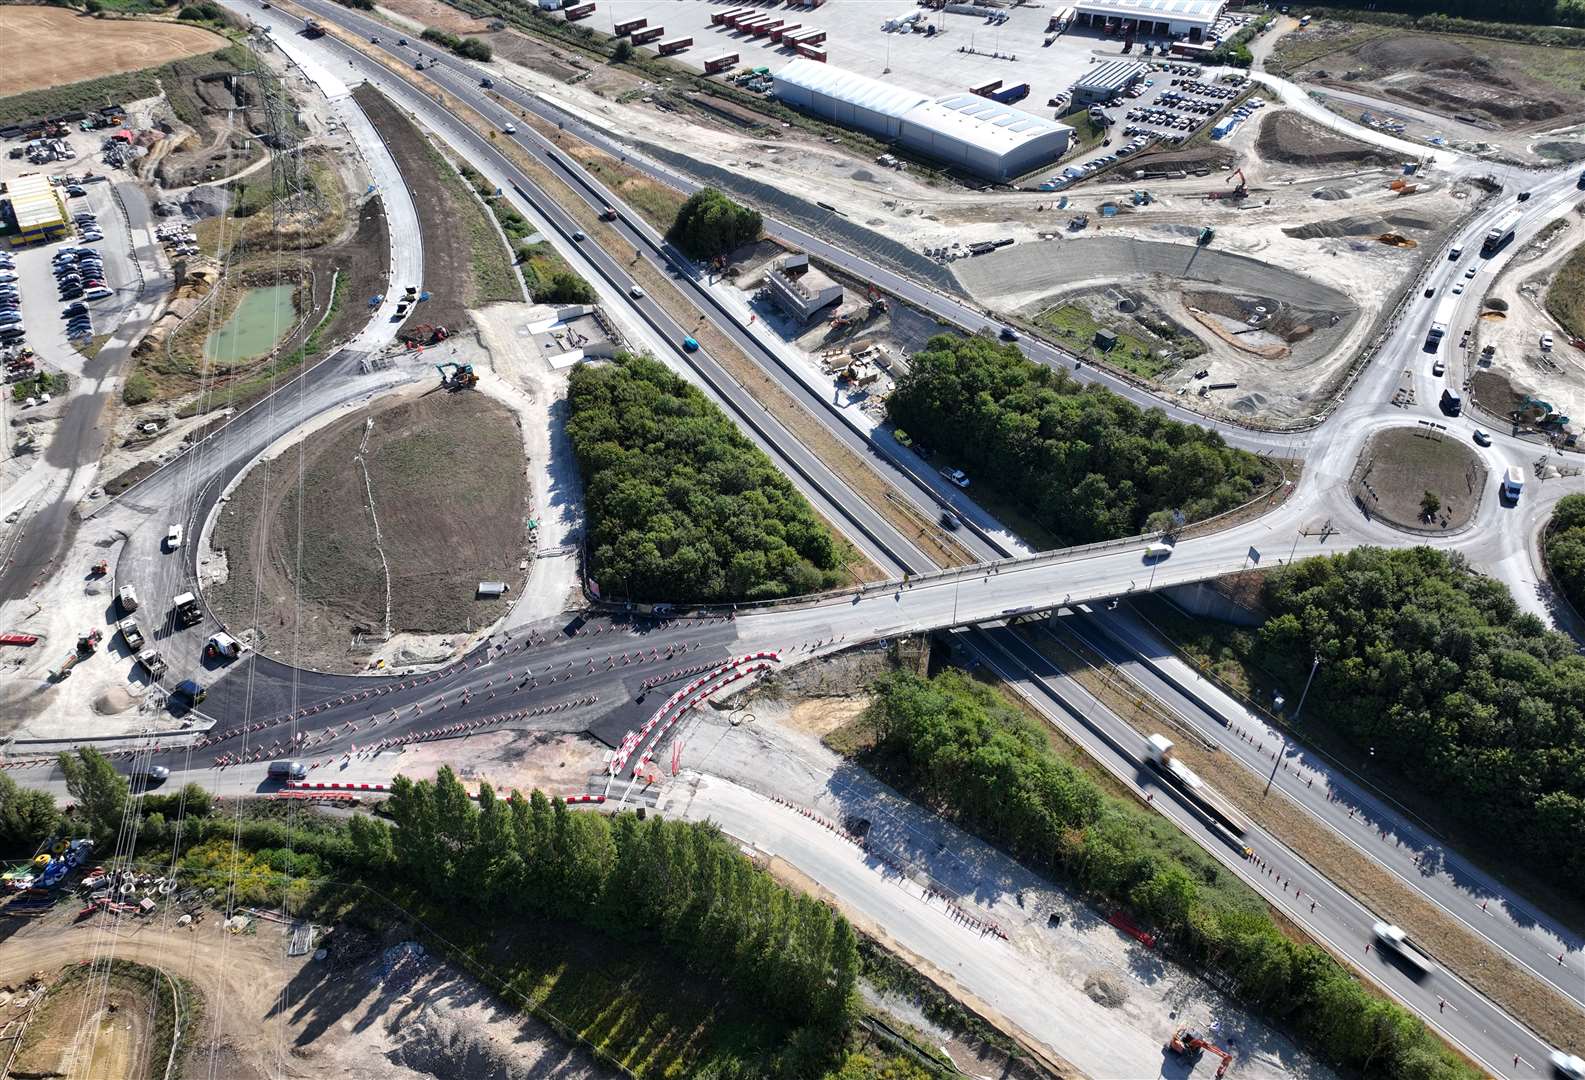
(152, 662)
(1207, 234)
(86, 644)
(1242, 190)
(186, 609)
(877, 301)
(127, 598)
(131, 634)
(424, 334)
(1187, 1044)
(462, 378)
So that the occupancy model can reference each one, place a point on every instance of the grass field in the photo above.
(1135, 350)
(1405, 464)
(50, 46)
(1565, 297)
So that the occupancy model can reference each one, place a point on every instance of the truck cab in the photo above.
(186, 609)
(1512, 484)
(127, 597)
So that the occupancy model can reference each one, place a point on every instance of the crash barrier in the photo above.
(1126, 925)
(303, 785)
(684, 699)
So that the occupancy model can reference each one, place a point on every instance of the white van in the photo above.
(224, 647)
(98, 292)
(1155, 552)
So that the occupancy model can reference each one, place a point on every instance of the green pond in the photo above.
(260, 320)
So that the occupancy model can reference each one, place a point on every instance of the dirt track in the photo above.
(48, 46)
(447, 472)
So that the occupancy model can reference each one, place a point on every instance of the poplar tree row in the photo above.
(682, 884)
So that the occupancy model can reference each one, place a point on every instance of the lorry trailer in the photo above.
(675, 45)
(648, 34)
(581, 11)
(1395, 939)
(1187, 781)
(761, 29)
(626, 27)
(780, 33)
(1500, 234)
(717, 64)
(813, 52)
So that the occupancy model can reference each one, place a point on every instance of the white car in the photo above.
(173, 537)
(510, 129)
(636, 293)
(1546, 342)
(1458, 289)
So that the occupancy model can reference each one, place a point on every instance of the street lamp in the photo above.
(1315, 662)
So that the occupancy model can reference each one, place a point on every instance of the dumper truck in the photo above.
(131, 634)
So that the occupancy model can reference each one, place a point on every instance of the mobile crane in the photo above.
(1188, 1045)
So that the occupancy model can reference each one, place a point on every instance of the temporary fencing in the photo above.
(680, 702)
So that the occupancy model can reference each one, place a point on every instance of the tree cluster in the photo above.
(958, 747)
(1565, 548)
(710, 224)
(681, 506)
(1082, 461)
(28, 818)
(467, 48)
(1455, 689)
(681, 884)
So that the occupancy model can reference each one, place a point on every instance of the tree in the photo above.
(1430, 503)
(1083, 462)
(98, 790)
(28, 818)
(623, 52)
(681, 506)
(710, 224)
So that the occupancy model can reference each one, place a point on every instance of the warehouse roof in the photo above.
(34, 202)
(1204, 11)
(983, 122)
(851, 87)
(1111, 75)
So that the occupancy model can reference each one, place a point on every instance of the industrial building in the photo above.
(1104, 81)
(35, 211)
(1191, 19)
(969, 132)
(799, 289)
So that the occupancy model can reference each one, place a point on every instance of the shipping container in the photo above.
(649, 33)
(717, 64)
(675, 45)
(582, 11)
(813, 52)
(622, 29)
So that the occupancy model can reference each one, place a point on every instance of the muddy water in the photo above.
(259, 321)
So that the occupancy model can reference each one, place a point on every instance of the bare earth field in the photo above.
(446, 472)
(49, 46)
(267, 1015)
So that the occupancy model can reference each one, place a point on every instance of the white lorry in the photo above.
(1395, 939)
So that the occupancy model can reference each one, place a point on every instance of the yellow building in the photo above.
(37, 212)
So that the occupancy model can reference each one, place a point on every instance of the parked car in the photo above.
(956, 476)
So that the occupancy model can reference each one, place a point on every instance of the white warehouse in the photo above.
(1191, 19)
(969, 132)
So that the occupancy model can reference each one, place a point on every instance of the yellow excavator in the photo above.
(461, 378)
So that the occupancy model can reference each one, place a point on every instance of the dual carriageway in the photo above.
(1010, 584)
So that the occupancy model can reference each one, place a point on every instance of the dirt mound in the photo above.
(1399, 52)
(1562, 151)
(1290, 138)
(112, 701)
(1331, 194)
(1104, 991)
(1210, 158)
(1333, 228)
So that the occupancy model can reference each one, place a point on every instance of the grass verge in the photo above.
(492, 263)
(1565, 297)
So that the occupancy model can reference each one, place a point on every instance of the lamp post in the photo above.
(1315, 662)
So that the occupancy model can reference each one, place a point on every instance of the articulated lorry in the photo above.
(1394, 938)
(1187, 781)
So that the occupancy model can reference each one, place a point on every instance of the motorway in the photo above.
(937, 600)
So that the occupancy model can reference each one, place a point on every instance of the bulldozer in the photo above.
(1188, 1045)
(461, 378)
